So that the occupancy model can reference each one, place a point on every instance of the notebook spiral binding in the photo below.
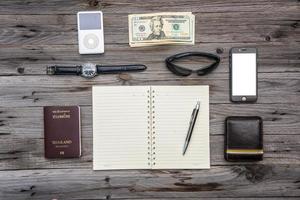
(151, 127)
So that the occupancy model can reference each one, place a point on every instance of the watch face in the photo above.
(89, 70)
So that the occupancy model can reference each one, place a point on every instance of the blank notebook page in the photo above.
(120, 127)
(173, 109)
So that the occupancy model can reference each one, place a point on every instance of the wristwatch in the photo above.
(90, 70)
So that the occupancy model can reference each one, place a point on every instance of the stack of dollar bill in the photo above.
(176, 28)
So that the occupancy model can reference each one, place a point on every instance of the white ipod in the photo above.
(90, 32)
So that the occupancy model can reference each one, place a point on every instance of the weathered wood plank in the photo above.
(32, 59)
(129, 6)
(28, 153)
(59, 90)
(279, 119)
(231, 181)
(21, 136)
(67, 34)
(216, 21)
(224, 19)
(207, 31)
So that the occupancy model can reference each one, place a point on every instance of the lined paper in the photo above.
(173, 109)
(120, 127)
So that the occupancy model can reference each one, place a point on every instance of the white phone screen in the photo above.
(243, 74)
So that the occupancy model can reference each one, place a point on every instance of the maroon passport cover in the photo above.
(62, 131)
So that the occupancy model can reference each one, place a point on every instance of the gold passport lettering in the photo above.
(61, 114)
(61, 141)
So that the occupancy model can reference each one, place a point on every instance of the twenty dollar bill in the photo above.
(161, 28)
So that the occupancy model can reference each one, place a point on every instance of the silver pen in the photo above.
(191, 127)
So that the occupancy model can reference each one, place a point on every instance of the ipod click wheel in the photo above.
(90, 32)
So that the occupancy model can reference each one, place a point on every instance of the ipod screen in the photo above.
(89, 21)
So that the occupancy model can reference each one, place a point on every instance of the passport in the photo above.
(62, 131)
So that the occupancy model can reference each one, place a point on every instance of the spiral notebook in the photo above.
(144, 127)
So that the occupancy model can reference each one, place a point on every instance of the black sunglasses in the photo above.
(183, 71)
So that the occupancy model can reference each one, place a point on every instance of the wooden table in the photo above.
(37, 33)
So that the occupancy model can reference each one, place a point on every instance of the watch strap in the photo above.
(105, 69)
(64, 70)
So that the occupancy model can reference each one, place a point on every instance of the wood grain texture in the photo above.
(37, 33)
(28, 153)
(51, 90)
(224, 181)
(32, 59)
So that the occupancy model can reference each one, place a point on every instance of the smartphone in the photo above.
(243, 74)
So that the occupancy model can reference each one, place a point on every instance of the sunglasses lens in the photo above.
(179, 70)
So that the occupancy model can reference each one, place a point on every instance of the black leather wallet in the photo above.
(243, 138)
